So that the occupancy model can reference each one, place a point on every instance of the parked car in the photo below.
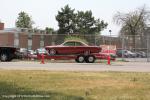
(141, 54)
(126, 54)
(22, 53)
(32, 54)
(41, 51)
(72, 47)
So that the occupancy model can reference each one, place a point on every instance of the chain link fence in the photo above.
(135, 48)
(129, 48)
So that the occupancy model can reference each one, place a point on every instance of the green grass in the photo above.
(74, 85)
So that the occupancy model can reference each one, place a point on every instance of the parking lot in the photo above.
(59, 66)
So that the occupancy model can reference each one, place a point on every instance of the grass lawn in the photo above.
(48, 85)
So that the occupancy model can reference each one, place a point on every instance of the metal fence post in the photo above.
(16, 39)
(148, 49)
(41, 41)
(30, 35)
(94, 39)
(123, 47)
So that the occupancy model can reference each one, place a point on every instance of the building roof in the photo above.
(10, 30)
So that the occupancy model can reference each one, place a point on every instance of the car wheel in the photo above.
(80, 59)
(52, 52)
(90, 59)
(4, 57)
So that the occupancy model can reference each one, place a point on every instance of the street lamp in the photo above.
(110, 36)
(110, 31)
(109, 41)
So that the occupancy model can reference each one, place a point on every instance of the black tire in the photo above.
(4, 57)
(10, 59)
(80, 59)
(90, 59)
(52, 52)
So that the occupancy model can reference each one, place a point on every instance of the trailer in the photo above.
(79, 58)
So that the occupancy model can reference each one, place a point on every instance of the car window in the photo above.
(78, 44)
(125, 51)
(119, 51)
(69, 44)
(129, 52)
(41, 50)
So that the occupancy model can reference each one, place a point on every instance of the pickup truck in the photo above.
(7, 53)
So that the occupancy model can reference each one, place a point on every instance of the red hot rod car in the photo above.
(72, 48)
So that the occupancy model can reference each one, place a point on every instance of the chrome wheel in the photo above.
(4, 57)
(90, 59)
(80, 59)
(52, 52)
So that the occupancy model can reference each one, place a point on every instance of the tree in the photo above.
(49, 30)
(86, 23)
(66, 20)
(133, 23)
(24, 20)
(80, 22)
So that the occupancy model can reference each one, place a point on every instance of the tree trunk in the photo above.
(134, 42)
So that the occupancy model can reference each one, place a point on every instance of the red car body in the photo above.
(72, 47)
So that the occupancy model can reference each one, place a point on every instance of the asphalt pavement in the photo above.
(57, 66)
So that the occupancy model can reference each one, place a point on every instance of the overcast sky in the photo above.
(43, 12)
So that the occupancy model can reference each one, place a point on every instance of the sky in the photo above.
(43, 12)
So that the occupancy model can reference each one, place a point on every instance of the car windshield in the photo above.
(23, 50)
(130, 52)
(41, 50)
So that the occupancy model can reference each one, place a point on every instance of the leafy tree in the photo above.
(80, 22)
(49, 30)
(24, 20)
(66, 20)
(86, 23)
(133, 23)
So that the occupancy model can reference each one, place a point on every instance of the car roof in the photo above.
(75, 41)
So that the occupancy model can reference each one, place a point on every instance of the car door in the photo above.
(79, 47)
(68, 48)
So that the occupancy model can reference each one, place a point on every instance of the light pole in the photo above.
(110, 36)
(109, 41)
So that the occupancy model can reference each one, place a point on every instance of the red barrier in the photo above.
(108, 60)
(42, 59)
